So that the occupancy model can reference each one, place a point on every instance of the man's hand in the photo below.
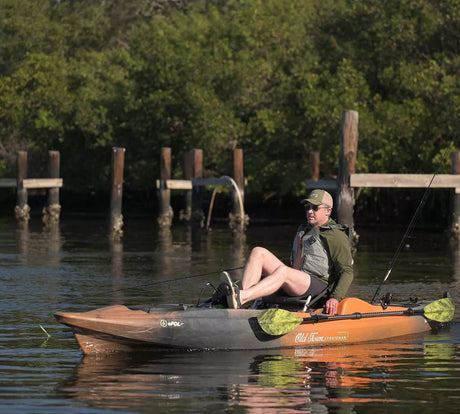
(331, 306)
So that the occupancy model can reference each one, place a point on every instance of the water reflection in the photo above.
(285, 381)
(32, 244)
(240, 251)
(116, 250)
(438, 353)
(23, 239)
(455, 249)
(196, 245)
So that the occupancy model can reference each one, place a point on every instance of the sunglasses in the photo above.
(313, 207)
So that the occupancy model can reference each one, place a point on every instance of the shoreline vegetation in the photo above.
(270, 77)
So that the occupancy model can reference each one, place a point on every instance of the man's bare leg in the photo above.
(294, 282)
(261, 261)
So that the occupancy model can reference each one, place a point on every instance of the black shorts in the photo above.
(317, 286)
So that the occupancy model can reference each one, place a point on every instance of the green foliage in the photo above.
(271, 77)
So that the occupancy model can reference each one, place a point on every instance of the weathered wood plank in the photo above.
(8, 182)
(405, 180)
(198, 182)
(177, 184)
(42, 182)
(210, 181)
(323, 184)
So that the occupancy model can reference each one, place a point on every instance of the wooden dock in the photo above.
(348, 180)
(51, 211)
(191, 184)
(344, 186)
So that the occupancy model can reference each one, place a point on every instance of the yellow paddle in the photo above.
(280, 321)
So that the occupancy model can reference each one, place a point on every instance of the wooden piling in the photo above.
(116, 195)
(314, 165)
(238, 219)
(186, 213)
(455, 222)
(347, 166)
(166, 212)
(22, 209)
(52, 210)
(197, 172)
(315, 181)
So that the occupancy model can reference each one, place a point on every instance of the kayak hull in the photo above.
(119, 328)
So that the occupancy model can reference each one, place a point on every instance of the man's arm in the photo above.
(340, 251)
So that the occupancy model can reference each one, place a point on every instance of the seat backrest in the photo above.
(353, 305)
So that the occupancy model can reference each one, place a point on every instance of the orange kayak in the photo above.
(121, 328)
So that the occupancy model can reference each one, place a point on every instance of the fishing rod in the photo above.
(409, 229)
(159, 282)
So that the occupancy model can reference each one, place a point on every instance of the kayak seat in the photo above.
(285, 301)
(352, 305)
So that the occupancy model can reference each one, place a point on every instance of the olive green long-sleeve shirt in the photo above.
(338, 246)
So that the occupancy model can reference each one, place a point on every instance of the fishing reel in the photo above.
(386, 300)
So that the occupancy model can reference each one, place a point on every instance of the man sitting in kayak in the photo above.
(321, 262)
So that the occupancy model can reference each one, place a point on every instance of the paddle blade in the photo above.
(441, 310)
(278, 321)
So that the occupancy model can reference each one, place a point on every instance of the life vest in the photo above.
(309, 253)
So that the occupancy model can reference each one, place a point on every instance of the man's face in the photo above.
(317, 215)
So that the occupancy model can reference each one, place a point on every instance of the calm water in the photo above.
(77, 268)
